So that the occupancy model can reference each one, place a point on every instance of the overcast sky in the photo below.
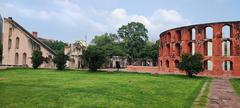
(70, 20)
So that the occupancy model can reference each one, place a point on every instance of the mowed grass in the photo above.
(236, 85)
(28, 88)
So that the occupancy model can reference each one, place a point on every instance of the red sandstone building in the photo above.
(219, 43)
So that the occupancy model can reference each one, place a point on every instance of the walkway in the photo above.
(222, 95)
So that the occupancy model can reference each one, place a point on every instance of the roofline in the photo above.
(201, 24)
(31, 36)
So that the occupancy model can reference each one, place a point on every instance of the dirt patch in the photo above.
(222, 95)
(2, 78)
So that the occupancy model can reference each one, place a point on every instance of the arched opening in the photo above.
(226, 31)
(227, 65)
(169, 37)
(179, 35)
(161, 63)
(178, 49)
(10, 31)
(208, 33)
(208, 65)
(226, 48)
(208, 48)
(193, 34)
(167, 63)
(191, 47)
(176, 62)
(9, 43)
(17, 43)
(168, 49)
(72, 62)
(16, 58)
(24, 59)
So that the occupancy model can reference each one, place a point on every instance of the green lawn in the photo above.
(236, 85)
(27, 88)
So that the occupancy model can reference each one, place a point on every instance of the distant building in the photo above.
(18, 45)
(75, 52)
(1, 29)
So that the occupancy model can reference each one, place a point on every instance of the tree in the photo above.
(192, 64)
(57, 46)
(37, 59)
(94, 56)
(110, 44)
(105, 39)
(154, 52)
(134, 36)
(60, 60)
(1, 52)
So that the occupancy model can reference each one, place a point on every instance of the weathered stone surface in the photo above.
(220, 96)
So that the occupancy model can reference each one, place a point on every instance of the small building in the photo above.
(19, 44)
(75, 52)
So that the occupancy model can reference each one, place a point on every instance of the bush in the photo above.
(37, 59)
(192, 64)
(94, 56)
(60, 60)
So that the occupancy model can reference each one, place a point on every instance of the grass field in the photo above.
(236, 85)
(28, 88)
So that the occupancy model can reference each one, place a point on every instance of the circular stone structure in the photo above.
(219, 43)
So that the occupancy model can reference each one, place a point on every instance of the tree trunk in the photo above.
(190, 74)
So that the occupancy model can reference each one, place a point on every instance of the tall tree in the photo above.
(134, 36)
(110, 44)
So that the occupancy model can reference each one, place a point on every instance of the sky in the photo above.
(71, 20)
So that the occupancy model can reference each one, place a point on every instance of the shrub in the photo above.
(60, 60)
(192, 64)
(37, 59)
(94, 56)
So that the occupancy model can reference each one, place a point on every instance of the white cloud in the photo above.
(96, 21)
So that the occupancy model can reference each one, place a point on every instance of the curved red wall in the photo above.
(177, 41)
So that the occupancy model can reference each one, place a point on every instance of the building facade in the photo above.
(75, 51)
(18, 45)
(1, 29)
(219, 43)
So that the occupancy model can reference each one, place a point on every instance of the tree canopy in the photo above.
(192, 64)
(57, 46)
(37, 59)
(134, 36)
(94, 56)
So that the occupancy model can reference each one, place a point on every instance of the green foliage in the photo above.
(94, 56)
(134, 36)
(150, 51)
(109, 44)
(236, 85)
(60, 60)
(37, 59)
(105, 39)
(192, 64)
(57, 46)
(154, 52)
(1, 51)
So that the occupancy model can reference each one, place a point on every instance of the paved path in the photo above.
(222, 95)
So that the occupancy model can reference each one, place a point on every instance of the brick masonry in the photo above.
(177, 41)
